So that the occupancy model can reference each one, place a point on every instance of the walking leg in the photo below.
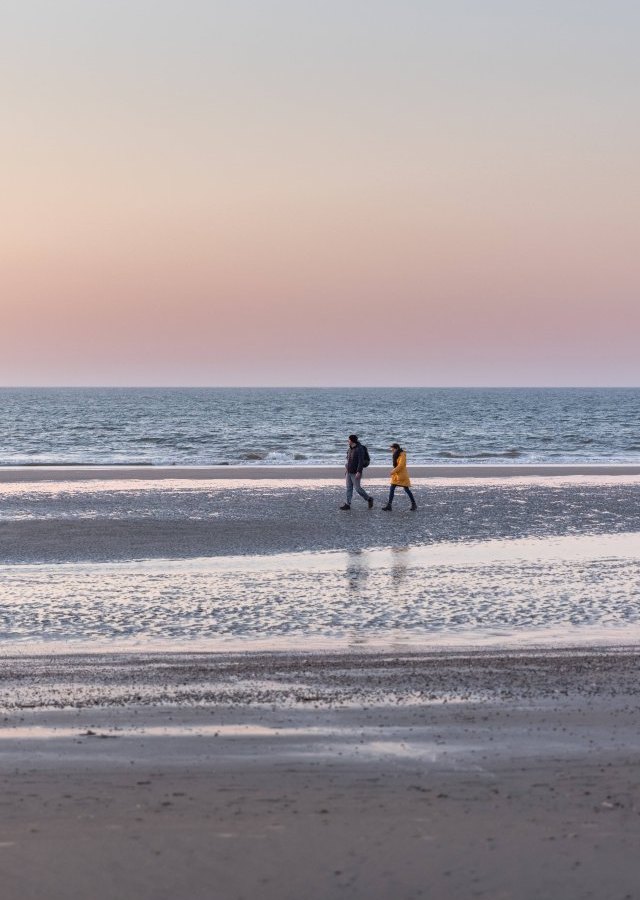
(412, 498)
(360, 489)
(392, 490)
(349, 484)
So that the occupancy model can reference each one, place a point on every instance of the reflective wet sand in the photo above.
(572, 588)
(275, 565)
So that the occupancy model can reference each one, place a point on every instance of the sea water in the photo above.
(203, 426)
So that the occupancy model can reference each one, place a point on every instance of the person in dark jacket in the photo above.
(354, 468)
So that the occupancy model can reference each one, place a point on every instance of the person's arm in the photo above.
(397, 468)
(360, 460)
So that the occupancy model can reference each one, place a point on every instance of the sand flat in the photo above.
(490, 561)
(36, 473)
(322, 775)
(115, 520)
(361, 774)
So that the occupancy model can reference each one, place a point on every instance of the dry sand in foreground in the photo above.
(320, 776)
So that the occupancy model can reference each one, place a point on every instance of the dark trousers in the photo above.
(392, 490)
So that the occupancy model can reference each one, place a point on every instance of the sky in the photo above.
(319, 192)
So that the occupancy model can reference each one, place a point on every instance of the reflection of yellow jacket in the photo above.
(400, 475)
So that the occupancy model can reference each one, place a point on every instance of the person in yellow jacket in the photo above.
(399, 477)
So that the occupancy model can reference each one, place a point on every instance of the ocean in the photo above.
(285, 426)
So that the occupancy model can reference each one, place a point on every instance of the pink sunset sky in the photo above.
(320, 193)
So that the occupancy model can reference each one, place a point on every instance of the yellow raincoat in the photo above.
(399, 474)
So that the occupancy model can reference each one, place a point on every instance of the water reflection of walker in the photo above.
(358, 570)
(357, 574)
(400, 564)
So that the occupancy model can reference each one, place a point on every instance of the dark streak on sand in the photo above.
(326, 679)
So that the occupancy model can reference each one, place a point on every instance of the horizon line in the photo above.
(323, 387)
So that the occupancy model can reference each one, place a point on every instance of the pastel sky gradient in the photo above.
(320, 192)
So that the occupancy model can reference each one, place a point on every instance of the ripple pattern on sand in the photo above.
(330, 596)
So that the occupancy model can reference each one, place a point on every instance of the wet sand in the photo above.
(67, 521)
(320, 776)
(281, 775)
(38, 473)
(204, 563)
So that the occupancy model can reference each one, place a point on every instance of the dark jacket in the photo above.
(355, 459)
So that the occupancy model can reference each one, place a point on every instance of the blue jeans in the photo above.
(353, 482)
(392, 490)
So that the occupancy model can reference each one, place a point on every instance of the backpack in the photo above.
(366, 459)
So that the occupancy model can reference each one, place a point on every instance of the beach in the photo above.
(71, 473)
(60, 514)
(224, 686)
(318, 775)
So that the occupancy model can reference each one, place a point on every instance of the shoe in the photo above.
(413, 508)
(370, 502)
(345, 506)
(387, 508)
